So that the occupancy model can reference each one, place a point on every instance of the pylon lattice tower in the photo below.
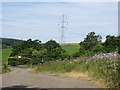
(62, 27)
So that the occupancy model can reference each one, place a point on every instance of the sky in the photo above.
(39, 20)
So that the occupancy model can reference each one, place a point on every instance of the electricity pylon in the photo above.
(62, 27)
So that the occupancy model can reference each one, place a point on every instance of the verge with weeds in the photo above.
(104, 70)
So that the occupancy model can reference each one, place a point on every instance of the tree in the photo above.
(51, 44)
(112, 43)
(34, 52)
(17, 49)
(39, 56)
(54, 51)
(98, 49)
(26, 51)
(90, 41)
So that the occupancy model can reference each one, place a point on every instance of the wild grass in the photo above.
(103, 70)
(71, 48)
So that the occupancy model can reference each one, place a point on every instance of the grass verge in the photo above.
(102, 70)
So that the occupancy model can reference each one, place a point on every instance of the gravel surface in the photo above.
(20, 77)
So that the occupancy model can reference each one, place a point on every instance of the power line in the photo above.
(62, 27)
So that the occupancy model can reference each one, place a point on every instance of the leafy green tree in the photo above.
(36, 44)
(51, 44)
(111, 44)
(54, 51)
(38, 56)
(34, 52)
(90, 41)
(98, 49)
(25, 50)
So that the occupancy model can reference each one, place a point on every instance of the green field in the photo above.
(5, 54)
(71, 48)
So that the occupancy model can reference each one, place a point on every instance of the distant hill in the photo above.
(71, 48)
(8, 42)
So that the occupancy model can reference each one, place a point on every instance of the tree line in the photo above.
(36, 52)
(8, 42)
(92, 44)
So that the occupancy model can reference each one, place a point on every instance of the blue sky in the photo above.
(39, 20)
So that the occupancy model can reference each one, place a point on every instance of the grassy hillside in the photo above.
(5, 54)
(71, 48)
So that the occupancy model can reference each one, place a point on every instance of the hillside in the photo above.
(71, 48)
(8, 42)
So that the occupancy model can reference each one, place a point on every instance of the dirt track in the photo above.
(20, 77)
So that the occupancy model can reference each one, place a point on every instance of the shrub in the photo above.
(5, 68)
(17, 61)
